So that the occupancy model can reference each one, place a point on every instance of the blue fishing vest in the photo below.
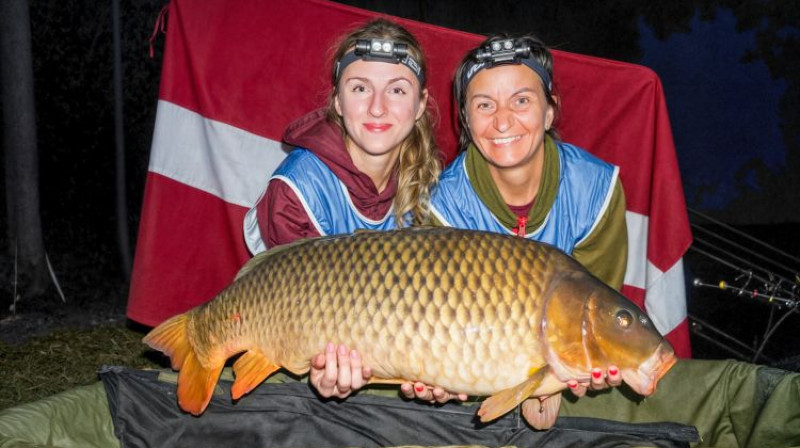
(585, 187)
(323, 196)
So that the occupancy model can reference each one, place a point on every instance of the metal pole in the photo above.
(119, 139)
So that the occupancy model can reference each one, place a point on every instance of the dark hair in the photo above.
(539, 52)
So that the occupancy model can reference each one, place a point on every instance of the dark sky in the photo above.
(724, 112)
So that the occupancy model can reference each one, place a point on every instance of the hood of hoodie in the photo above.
(316, 134)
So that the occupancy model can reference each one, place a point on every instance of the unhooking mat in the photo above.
(731, 404)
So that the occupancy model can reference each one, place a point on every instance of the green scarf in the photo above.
(482, 182)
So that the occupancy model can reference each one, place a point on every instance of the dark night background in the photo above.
(731, 78)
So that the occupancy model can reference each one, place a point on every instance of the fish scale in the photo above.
(298, 310)
(459, 309)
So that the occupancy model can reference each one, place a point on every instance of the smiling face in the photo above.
(507, 114)
(379, 104)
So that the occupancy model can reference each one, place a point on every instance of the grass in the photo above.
(65, 359)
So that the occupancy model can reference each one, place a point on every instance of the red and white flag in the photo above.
(235, 73)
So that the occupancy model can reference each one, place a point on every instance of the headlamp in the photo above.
(501, 51)
(506, 51)
(379, 50)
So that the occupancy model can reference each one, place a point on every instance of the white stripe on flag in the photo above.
(235, 165)
(220, 159)
(665, 292)
(635, 274)
(666, 296)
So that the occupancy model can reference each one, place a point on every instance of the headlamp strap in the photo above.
(379, 50)
(506, 51)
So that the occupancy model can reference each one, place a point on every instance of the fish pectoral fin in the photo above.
(196, 384)
(542, 412)
(505, 400)
(250, 370)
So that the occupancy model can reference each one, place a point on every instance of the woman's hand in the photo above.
(430, 394)
(338, 372)
(600, 380)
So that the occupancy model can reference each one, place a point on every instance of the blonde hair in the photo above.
(418, 164)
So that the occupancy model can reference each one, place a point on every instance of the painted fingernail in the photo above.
(597, 373)
(572, 384)
(419, 388)
(613, 371)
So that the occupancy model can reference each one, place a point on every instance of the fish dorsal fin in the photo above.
(421, 228)
(506, 400)
(261, 256)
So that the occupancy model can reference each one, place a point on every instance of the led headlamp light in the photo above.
(379, 50)
(506, 51)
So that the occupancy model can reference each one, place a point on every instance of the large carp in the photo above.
(473, 312)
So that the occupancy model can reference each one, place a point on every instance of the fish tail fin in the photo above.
(195, 381)
(505, 400)
(250, 369)
(171, 338)
(196, 384)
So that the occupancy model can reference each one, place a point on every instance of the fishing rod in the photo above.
(762, 273)
(737, 348)
(743, 235)
(766, 295)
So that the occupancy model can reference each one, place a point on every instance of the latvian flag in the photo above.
(236, 72)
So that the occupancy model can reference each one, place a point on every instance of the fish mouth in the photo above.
(645, 378)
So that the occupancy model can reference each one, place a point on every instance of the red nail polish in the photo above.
(597, 374)
(613, 371)
(572, 385)
(419, 387)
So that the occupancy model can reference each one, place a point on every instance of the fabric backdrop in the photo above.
(236, 72)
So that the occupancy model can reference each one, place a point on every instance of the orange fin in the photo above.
(250, 369)
(505, 400)
(542, 412)
(170, 338)
(195, 381)
(196, 384)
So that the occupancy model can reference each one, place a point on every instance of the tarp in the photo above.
(235, 73)
(732, 404)
(290, 414)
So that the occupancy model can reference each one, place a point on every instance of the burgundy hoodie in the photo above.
(282, 218)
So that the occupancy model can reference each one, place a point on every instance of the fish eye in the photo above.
(624, 318)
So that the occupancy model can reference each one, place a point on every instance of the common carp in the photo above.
(473, 312)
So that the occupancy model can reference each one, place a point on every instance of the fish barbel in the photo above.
(473, 312)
